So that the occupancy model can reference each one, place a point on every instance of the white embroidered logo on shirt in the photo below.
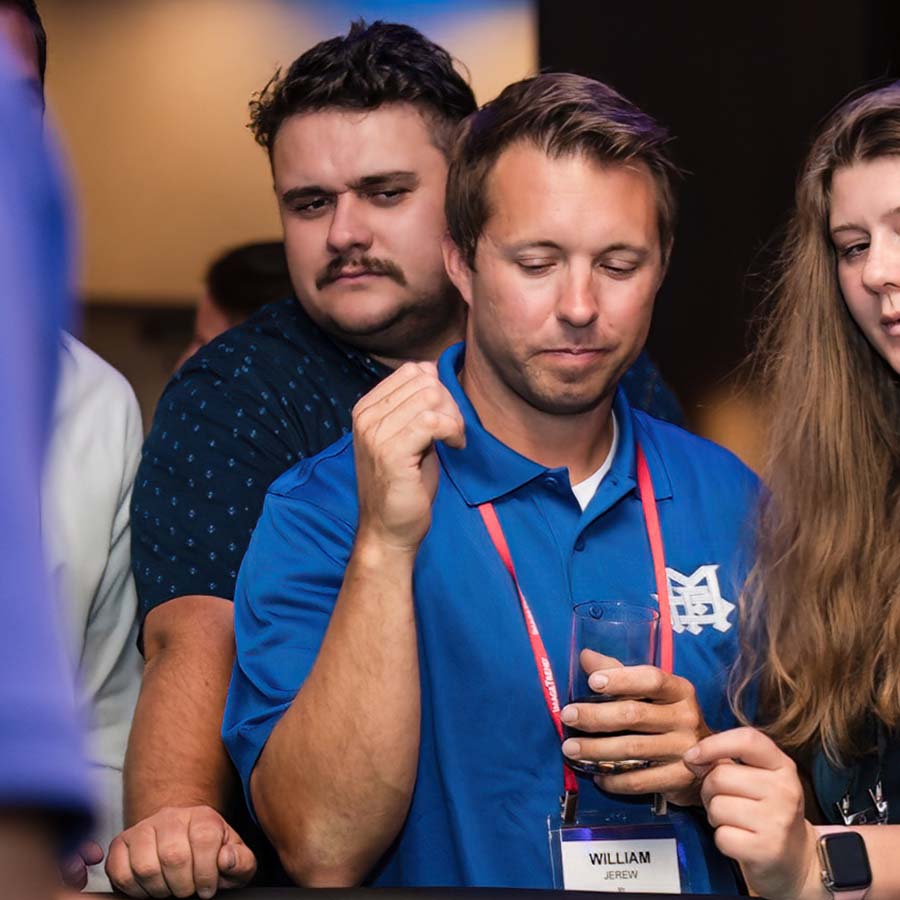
(696, 601)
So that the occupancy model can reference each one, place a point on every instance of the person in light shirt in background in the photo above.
(95, 446)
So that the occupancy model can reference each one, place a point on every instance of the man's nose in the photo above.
(578, 303)
(349, 227)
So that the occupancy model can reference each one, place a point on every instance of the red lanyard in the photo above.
(541, 659)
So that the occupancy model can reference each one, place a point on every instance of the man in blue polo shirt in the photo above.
(385, 712)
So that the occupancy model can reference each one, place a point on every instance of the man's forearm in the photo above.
(178, 780)
(175, 754)
(334, 782)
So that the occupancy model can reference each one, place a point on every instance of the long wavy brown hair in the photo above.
(821, 613)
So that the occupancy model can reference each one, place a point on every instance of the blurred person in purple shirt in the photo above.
(44, 794)
(93, 452)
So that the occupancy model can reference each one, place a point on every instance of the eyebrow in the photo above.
(304, 193)
(849, 226)
(366, 183)
(383, 179)
(533, 245)
(637, 249)
(641, 252)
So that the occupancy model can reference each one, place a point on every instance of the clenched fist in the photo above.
(395, 427)
(179, 851)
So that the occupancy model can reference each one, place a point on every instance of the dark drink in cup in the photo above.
(626, 632)
(602, 767)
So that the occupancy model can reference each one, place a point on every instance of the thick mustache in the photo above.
(364, 264)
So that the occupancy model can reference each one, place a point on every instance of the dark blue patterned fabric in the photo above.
(645, 389)
(240, 412)
(237, 415)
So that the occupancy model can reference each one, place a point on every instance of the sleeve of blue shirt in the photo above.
(280, 619)
(41, 762)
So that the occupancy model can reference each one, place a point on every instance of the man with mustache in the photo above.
(357, 132)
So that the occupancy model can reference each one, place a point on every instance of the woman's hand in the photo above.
(754, 799)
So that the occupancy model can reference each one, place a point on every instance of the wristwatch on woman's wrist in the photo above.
(845, 864)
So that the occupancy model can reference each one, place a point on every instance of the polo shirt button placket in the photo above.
(579, 543)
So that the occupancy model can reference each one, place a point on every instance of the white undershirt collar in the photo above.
(586, 489)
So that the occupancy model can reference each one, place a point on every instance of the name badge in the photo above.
(620, 859)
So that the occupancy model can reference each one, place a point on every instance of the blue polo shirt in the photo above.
(490, 767)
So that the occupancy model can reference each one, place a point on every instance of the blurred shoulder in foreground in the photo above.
(44, 795)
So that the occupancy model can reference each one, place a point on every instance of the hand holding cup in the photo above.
(628, 722)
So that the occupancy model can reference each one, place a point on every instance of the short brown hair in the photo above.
(562, 114)
(372, 65)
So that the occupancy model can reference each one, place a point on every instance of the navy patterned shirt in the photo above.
(237, 415)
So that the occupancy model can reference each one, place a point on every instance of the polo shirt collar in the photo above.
(622, 475)
(659, 473)
(486, 469)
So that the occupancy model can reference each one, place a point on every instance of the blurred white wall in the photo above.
(151, 99)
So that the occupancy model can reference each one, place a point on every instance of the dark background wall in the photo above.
(741, 87)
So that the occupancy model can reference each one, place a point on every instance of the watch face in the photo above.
(846, 861)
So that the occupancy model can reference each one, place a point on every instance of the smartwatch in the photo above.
(845, 864)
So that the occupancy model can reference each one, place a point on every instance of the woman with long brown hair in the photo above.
(822, 611)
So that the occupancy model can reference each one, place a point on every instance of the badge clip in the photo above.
(660, 805)
(569, 804)
(877, 814)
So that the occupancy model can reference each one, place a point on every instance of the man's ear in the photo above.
(666, 259)
(457, 268)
